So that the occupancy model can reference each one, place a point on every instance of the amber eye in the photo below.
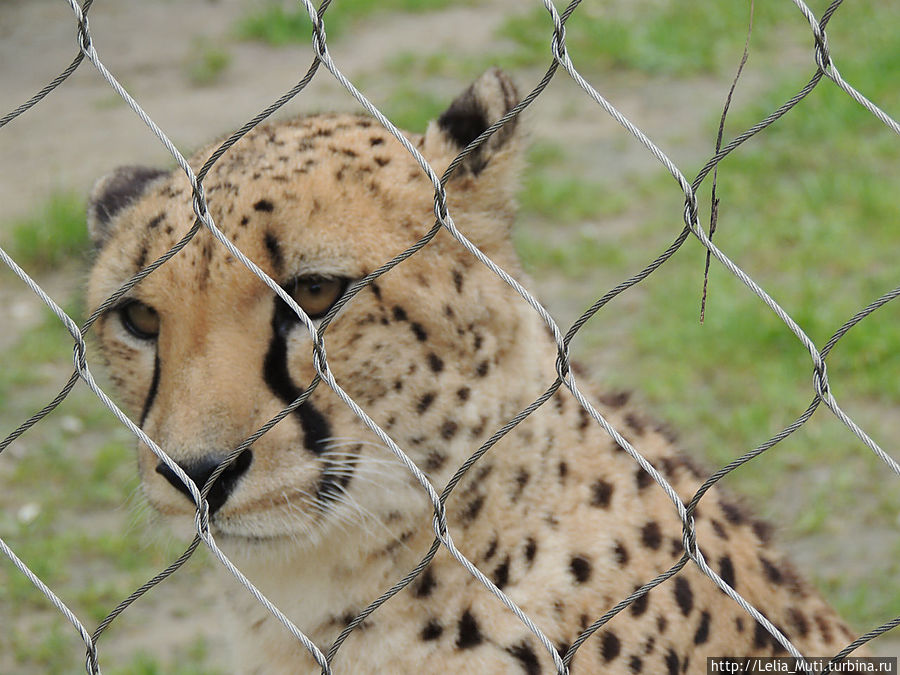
(140, 320)
(316, 295)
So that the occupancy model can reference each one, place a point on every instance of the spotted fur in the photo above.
(440, 353)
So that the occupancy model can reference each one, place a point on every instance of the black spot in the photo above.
(634, 423)
(425, 402)
(156, 220)
(672, 662)
(492, 549)
(524, 654)
(651, 536)
(477, 342)
(616, 399)
(376, 289)
(733, 513)
(610, 646)
(635, 665)
(580, 568)
(772, 572)
(643, 478)
(824, 628)
(463, 393)
(399, 313)
(726, 571)
(798, 621)
(458, 280)
(426, 584)
(382, 161)
(621, 553)
(469, 635)
(473, 509)
(702, 634)
(501, 574)
(142, 258)
(530, 549)
(435, 460)
(448, 429)
(274, 249)
(245, 220)
(601, 493)
(562, 648)
(762, 530)
(584, 419)
(264, 205)
(639, 606)
(677, 546)
(684, 596)
(420, 333)
(739, 624)
(563, 470)
(718, 529)
(376, 140)
(522, 477)
(761, 636)
(661, 623)
(435, 362)
(432, 630)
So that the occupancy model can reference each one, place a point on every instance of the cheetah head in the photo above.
(203, 354)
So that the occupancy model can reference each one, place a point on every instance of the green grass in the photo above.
(276, 25)
(671, 38)
(54, 234)
(207, 63)
(182, 664)
(412, 108)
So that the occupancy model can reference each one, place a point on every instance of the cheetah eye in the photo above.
(140, 320)
(316, 295)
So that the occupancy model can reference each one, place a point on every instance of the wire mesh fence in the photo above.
(561, 64)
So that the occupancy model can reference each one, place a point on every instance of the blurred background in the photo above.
(809, 208)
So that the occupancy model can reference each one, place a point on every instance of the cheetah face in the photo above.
(203, 354)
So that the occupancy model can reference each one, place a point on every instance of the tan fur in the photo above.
(440, 355)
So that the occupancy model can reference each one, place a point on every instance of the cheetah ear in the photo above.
(484, 102)
(114, 192)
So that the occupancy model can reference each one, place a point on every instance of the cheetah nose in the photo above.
(200, 470)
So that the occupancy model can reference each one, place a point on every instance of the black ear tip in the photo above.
(485, 101)
(114, 192)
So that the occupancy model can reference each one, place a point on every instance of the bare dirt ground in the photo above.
(82, 131)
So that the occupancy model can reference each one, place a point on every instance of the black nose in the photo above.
(200, 470)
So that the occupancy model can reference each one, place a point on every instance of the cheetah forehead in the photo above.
(333, 194)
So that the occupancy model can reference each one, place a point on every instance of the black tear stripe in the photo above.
(275, 373)
(151, 394)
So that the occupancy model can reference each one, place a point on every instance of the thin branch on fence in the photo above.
(714, 207)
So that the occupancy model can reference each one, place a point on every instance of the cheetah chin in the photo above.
(440, 353)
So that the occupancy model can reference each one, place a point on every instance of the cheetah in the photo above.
(440, 353)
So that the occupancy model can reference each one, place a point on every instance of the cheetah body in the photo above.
(441, 353)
